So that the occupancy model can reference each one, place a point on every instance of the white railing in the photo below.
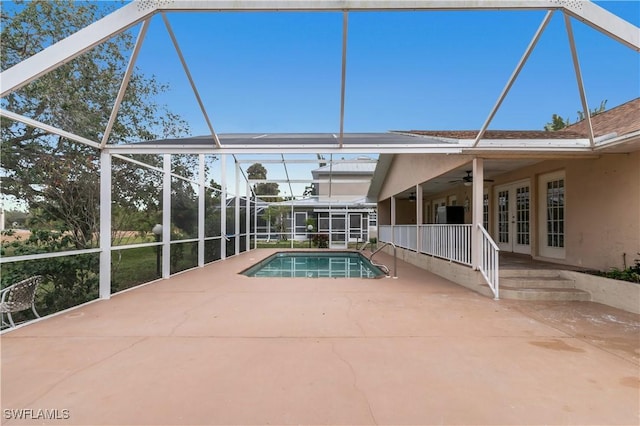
(451, 242)
(405, 236)
(489, 263)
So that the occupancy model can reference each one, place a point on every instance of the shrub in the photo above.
(631, 274)
(321, 240)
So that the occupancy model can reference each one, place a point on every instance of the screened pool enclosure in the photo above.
(154, 208)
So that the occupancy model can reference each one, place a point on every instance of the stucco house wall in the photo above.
(343, 188)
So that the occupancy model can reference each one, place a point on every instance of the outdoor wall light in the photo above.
(157, 230)
(309, 229)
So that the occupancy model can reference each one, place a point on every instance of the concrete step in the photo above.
(537, 282)
(549, 294)
(516, 272)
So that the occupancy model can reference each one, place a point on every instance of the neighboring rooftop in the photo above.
(349, 168)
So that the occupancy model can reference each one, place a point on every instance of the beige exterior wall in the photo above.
(347, 190)
(602, 202)
(384, 212)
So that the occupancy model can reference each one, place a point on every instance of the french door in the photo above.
(513, 217)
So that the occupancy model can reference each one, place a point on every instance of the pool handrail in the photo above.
(395, 257)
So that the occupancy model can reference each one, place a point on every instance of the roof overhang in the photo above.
(354, 143)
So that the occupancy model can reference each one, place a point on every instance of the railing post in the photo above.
(223, 207)
(166, 216)
(105, 225)
(201, 209)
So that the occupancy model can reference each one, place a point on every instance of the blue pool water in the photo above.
(315, 265)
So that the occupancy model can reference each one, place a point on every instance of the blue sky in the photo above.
(280, 72)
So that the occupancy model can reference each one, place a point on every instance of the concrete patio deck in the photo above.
(210, 346)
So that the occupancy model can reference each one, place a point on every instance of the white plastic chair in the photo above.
(19, 297)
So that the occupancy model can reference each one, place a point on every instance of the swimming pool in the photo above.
(340, 264)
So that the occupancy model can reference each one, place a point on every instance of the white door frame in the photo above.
(340, 214)
(516, 217)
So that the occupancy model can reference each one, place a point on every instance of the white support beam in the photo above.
(104, 291)
(71, 47)
(477, 189)
(53, 130)
(302, 161)
(255, 223)
(166, 216)
(606, 22)
(514, 76)
(292, 149)
(309, 181)
(419, 216)
(590, 13)
(236, 222)
(345, 31)
(125, 82)
(286, 171)
(201, 209)
(191, 82)
(292, 225)
(576, 66)
(134, 12)
(393, 210)
(223, 207)
(248, 216)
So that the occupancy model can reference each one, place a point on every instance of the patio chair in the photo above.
(19, 297)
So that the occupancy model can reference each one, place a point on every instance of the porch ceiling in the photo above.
(453, 178)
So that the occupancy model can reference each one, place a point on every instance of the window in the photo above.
(555, 213)
(522, 214)
(503, 216)
(485, 211)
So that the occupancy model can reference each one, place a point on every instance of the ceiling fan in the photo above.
(468, 179)
(412, 197)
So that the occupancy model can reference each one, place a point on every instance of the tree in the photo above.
(277, 217)
(594, 111)
(257, 171)
(558, 122)
(57, 177)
